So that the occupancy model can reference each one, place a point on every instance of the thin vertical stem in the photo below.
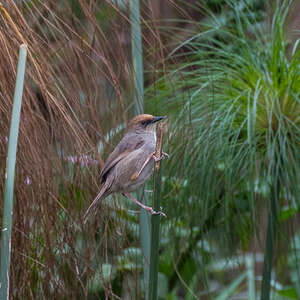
(137, 56)
(144, 231)
(10, 177)
(138, 76)
(251, 277)
(270, 242)
(155, 220)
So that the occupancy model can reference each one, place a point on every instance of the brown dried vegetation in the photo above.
(74, 93)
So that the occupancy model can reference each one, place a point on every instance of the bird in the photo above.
(131, 163)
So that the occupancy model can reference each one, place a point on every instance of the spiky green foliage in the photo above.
(234, 105)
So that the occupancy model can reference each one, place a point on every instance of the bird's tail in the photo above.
(93, 205)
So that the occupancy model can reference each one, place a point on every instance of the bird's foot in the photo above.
(163, 156)
(145, 207)
(160, 213)
(153, 212)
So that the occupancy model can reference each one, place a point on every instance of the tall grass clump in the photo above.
(77, 100)
(234, 101)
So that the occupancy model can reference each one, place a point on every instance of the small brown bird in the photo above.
(131, 163)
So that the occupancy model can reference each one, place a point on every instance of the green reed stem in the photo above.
(155, 222)
(138, 76)
(10, 177)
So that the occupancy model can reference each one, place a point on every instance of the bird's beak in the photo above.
(156, 119)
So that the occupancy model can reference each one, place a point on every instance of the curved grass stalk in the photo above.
(12, 23)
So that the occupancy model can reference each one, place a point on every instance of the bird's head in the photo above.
(144, 122)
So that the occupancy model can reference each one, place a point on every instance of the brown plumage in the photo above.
(131, 163)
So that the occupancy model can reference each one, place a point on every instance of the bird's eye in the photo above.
(144, 123)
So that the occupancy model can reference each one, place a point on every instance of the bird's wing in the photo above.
(129, 143)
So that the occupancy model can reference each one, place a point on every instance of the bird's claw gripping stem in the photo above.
(160, 213)
(153, 212)
(163, 156)
(145, 207)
